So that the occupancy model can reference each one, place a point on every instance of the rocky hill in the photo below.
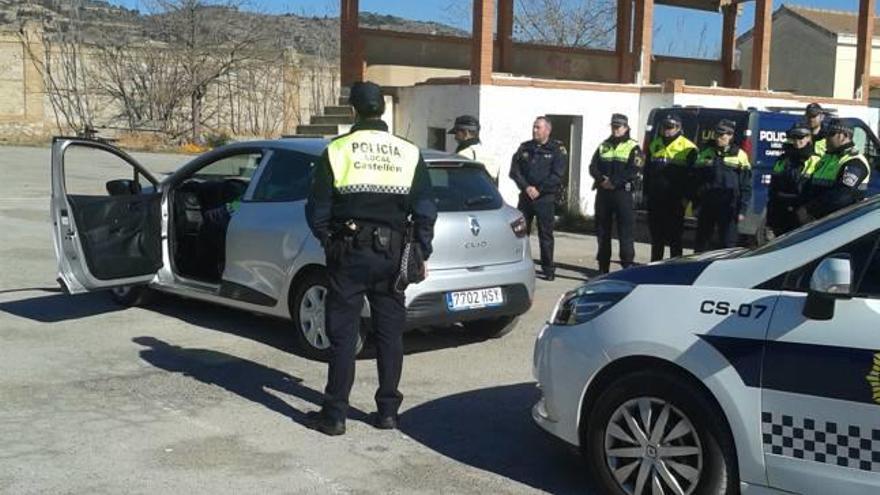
(98, 21)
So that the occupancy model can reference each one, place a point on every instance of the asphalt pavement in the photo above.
(185, 397)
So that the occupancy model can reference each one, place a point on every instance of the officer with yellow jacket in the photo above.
(615, 166)
(787, 179)
(840, 178)
(667, 181)
(366, 186)
(723, 178)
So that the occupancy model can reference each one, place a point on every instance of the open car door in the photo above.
(106, 216)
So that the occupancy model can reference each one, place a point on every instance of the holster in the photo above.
(412, 262)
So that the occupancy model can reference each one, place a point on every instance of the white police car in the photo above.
(740, 370)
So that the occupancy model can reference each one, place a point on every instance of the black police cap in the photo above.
(366, 98)
(838, 125)
(798, 130)
(725, 126)
(813, 109)
(671, 120)
(465, 122)
(619, 119)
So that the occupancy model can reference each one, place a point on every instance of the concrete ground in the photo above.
(185, 397)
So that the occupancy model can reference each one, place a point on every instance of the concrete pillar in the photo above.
(864, 43)
(761, 45)
(643, 40)
(482, 42)
(505, 35)
(622, 44)
(351, 52)
(728, 43)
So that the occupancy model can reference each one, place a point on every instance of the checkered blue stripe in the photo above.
(821, 441)
(373, 188)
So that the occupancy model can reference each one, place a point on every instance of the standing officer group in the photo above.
(366, 188)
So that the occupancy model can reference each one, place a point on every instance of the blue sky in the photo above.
(669, 22)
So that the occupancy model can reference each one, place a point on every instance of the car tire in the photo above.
(306, 305)
(614, 452)
(492, 328)
(131, 295)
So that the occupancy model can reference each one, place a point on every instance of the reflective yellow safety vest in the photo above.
(675, 153)
(829, 167)
(619, 153)
(370, 161)
(739, 161)
(820, 147)
(809, 166)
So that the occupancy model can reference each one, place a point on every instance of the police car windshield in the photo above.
(463, 188)
(814, 229)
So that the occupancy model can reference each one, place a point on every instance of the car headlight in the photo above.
(587, 302)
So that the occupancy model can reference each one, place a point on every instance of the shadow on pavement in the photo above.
(492, 429)
(60, 307)
(247, 379)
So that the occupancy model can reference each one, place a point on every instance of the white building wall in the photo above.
(421, 107)
(845, 66)
(507, 114)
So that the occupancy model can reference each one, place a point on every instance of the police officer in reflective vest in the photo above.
(466, 130)
(840, 178)
(723, 177)
(815, 116)
(667, 186)
(791, 171)
(365, 187)
(615, 166)
(537, 169)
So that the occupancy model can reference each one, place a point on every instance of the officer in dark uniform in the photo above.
(723, 177)
(840, 178)
(668, 171)
(791, 171)
(615, 166)
(815, 117)
(537, 169)
(366, 186)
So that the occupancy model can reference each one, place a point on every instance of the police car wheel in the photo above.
(650, 432)
(492, 328)
(306, 306)
(131, 295)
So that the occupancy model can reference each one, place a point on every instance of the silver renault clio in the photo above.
(229, 228)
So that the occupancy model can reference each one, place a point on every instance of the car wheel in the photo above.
(307, 311)
(650, 432)
(131, 295)
(492, 328)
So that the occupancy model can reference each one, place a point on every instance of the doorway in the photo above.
(568, 129)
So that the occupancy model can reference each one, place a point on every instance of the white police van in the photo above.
(737, 370)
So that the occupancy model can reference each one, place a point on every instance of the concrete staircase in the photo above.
(335, 120)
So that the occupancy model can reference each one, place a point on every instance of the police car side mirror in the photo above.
(831, 280)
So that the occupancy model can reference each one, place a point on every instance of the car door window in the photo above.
(238, 166)
(868, 280)
(89, 171)
(287, 177)
(861, 253)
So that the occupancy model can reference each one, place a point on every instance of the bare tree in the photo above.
(58, 53)
(205, 48)
(580, 23)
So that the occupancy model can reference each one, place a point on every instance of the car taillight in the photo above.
(747, 146)
(519, 227)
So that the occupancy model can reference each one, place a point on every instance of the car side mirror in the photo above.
(831, 280)
(123, 187)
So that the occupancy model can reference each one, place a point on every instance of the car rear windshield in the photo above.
(463, 188)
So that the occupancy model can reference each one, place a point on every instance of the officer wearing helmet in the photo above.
(368, 187)
(798, 161)
(466, 131)
(840, 177)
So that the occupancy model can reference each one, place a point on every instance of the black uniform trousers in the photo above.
(666, 225)
(543, 209)
(356, 271)
(614, 205)
(718, 213)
